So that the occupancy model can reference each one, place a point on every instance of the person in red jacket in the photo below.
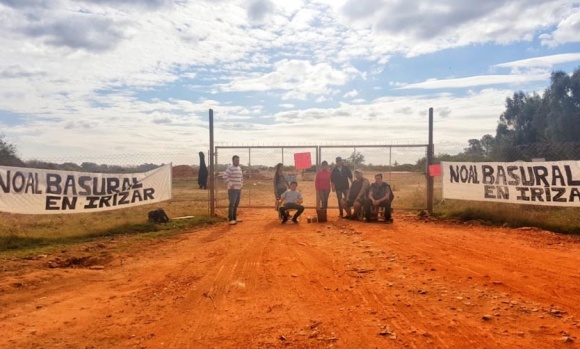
(322, 185)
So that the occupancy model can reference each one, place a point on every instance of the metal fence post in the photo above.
(430, 158)
(212, 202)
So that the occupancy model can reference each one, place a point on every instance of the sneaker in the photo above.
(238, 220)
(232, 222)
(284, 220)
(389, 220)
(294, 220)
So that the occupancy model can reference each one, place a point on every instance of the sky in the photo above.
(95, 78)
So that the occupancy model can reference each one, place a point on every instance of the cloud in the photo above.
(474, 81)
(79, 124)
(88, 32)
(19, 4)
(160, 120)
(566, 32)
(444, 112)
(361, 9)
(258, 10)
(351, 94)
(299, 78)
(18, 72)
(149, 4)
(416, 27)
(542, 62)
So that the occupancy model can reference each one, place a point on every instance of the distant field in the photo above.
(14, 229)
(409, 188)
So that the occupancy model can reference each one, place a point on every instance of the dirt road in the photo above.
(414, 284)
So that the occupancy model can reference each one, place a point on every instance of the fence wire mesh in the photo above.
(403, 166)
(397, 163)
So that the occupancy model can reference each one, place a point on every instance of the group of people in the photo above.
(353, 193)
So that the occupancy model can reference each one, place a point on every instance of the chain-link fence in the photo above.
(403, 166)
(397, 163)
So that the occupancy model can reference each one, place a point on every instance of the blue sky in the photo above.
(101, 77)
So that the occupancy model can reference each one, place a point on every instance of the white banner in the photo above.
(549, 183)
(36, 191)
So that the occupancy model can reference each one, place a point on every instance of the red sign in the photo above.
(435, 170)
(302, 161)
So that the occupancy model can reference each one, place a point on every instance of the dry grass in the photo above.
(556, 219)
(32, 231)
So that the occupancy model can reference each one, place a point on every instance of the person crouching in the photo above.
(291, 199)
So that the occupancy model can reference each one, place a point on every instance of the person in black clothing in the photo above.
(380, 195)
(202, 176)
(340, 180)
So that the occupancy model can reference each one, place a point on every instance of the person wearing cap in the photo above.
(340, 180)
(357, 195)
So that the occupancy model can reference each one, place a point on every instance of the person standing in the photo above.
(280, 182)
(203, 173)
(322, 185)
(340, 179)
(234, 180)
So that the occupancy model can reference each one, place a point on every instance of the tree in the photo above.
(8, 156)
(563, 119)
(487, 143)
(475, 147)
(356, 158)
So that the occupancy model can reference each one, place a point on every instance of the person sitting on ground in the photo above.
(291, 199)
(357, 195)
(380, 195)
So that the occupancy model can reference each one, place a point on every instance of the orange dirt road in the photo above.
(417, 283)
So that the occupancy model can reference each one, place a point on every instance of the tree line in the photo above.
(535, 125)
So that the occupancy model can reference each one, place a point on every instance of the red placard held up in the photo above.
(302, 161)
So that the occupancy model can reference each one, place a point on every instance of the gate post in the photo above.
(430, 158)
(211, 167)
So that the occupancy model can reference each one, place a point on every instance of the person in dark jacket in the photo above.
(380, 195)
(340, 180)
(202, 176)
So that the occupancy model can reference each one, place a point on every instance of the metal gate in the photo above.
(404, 167)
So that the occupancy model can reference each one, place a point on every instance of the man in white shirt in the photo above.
(234, 180)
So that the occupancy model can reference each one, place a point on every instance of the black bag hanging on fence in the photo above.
(158, 216)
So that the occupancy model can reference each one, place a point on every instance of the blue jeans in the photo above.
(234, 199)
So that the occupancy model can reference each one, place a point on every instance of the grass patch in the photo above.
(36, 233)
(557, 219)
(30, 243)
